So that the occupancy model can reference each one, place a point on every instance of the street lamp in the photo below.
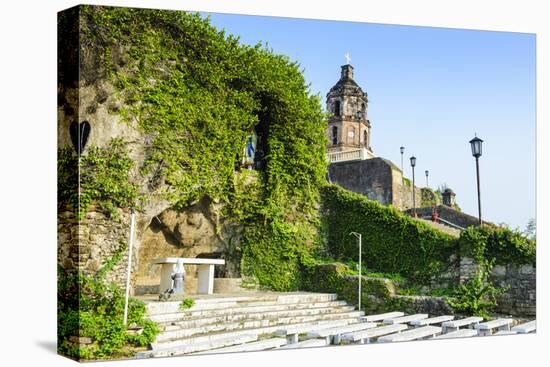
(427, 173)
(476, 152)
(358, 235)
(413, 163)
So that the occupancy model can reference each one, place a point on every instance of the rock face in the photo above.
(199, 230)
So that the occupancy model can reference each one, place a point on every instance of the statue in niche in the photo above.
(250, 150)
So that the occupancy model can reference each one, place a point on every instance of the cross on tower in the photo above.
(348, 57)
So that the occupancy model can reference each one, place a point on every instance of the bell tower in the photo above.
(348, 124)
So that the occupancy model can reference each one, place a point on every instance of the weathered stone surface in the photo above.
(377, 178)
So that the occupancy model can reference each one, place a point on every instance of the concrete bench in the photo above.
(309, 343)
(292, 332)
(365, 336)
(461, 333)
(249, 347)
(431, 320)
(333, 334)
(405, 319)
(450, 326)
(382, 316)
(205, 267)
(412, 334)
(528, 327)
(505, 332)
(487, 328)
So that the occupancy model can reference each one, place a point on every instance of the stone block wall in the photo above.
(87, 244)
(377, 178)
(521, 298)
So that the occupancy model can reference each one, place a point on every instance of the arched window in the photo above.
(363, 108)
(334, 135)
(365, 136)
(337, 108)
(351, 135)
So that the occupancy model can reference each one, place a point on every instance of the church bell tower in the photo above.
(348, 124)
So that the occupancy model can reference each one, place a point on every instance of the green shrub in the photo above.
(497, 243)
(88, 306)
(392, 242)
(187, 303)
(477, 296)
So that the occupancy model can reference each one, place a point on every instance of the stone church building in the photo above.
(353, 164)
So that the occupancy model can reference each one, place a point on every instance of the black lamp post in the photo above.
(476, 152)
(413, 163)
(427, 173)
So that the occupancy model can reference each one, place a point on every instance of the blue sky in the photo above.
(430, 90)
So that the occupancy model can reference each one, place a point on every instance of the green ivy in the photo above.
(196, 94)
(104, 177)
(497, 243)
(392, 242)
(89, 306)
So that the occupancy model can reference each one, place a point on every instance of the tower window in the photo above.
(365, 141)
(334, 135)
(337, 108)
(351, 135)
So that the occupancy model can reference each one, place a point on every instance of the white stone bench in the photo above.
(461, 333)
(412, 334)
(487, 328)
(309, 343)
(333, 334)
(205, 267)
(505, 332)
(405, 319)
(382, 316)
(249, 347)
(292, 332)
(450, 326)
(365, 336)
(528, 327)
(431, 320)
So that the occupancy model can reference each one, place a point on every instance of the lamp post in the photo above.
(476, 152)
(413, 163)
(402, 150)
(427, 173)
(358, 235)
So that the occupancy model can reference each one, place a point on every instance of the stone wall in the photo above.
(521, 298)
(377, 178)
(199, 230)
(88, 244)
(449, 214)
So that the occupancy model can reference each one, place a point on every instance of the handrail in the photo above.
(450, 224)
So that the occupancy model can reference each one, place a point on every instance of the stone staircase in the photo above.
(222, 321)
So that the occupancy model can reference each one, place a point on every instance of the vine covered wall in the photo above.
(192, 95)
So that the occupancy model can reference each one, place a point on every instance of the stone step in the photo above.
(197, 347)
(249, 347)
(185, 315)
(195, 327)
(178, 340)
(309, 343)
(217, 303)
(254, 316)
(528, 327)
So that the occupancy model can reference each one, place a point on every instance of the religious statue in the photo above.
(250, 150)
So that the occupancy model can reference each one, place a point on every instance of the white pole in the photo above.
(128, 272)
(360, 272)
